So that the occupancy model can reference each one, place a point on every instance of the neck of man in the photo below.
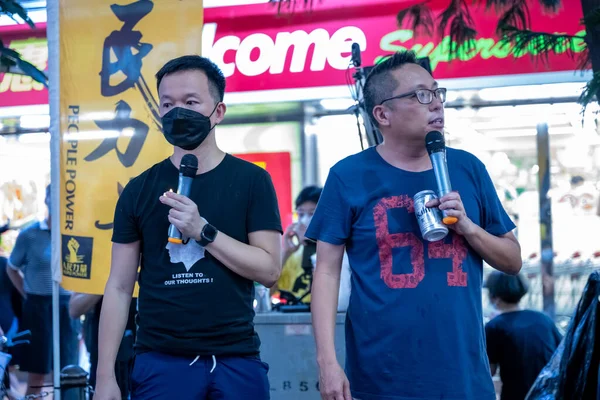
(208, 153)
(407, 154)
(507, 307)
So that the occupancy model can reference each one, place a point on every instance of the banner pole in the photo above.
(53, 34)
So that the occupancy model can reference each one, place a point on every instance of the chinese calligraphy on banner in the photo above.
(110, 124)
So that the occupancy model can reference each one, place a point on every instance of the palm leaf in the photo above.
(539, 44)
(551, 5)
(502, 5)
(462, 28)
(591, 89)
(11, 62)
(12, 8)
(592, 19)
(291, 4)
(418, 16)
(517, 15)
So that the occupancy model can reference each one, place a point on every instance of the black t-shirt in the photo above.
(521, 343)
(10, 299)
(189, 305)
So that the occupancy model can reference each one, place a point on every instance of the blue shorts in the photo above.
(160, 376)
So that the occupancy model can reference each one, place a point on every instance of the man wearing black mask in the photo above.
(195, 336)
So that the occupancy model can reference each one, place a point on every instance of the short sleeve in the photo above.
(263, 212)
(18, 255)
(125, 226)
(333, 217)
(495, 220)
(492, 342)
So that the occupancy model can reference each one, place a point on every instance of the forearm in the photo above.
(251, 262)
(17, 280)
(502, 253)
(81, 303)
(325, 288)
(113, 319)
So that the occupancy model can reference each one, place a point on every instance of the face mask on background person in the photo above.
(305, 220)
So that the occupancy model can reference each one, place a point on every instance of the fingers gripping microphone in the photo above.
(187, 172)
(436, 147)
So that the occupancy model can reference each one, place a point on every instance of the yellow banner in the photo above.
(110, 127)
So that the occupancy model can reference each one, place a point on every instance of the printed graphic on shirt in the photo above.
(188, 254)
(386, 241)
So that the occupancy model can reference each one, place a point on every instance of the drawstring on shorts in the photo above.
(214, 359)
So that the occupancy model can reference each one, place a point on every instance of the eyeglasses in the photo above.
(424, 96)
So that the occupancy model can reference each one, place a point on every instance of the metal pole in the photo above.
(52, 31)
(547, 252)
(310, 156)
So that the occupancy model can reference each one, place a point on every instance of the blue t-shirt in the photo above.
(414, 326)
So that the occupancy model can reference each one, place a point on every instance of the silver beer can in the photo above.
(430, 219)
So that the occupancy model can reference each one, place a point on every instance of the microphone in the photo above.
(436, 147)
(187, 172)
(356, 59)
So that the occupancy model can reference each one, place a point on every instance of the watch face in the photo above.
(209, 232)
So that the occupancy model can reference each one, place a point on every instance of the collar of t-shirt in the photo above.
(44, 225)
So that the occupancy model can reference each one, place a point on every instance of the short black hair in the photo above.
(380, 83)
(309, 193)
(508, 288)
(216, 79)
(577, 179)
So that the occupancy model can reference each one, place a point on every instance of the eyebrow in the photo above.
(167, 97)
(422, 86)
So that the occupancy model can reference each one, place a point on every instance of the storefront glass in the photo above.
(24, 174)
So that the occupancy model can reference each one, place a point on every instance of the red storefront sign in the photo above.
(260, 52)
(19, 90)
(278, 165)
(260, 49)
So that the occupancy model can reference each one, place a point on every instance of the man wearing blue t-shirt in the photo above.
(414, 326)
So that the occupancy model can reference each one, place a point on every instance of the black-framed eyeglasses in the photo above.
(424, 96)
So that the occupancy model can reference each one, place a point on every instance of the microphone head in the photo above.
(434, 142)
(189, 165)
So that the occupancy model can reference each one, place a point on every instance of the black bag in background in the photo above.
(573, 371)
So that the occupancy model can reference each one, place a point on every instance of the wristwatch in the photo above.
(208, 235)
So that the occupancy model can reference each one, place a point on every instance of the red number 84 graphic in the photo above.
(386, 241)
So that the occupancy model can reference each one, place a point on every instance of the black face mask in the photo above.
(186, 128)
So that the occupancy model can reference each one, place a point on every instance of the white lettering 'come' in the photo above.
(272, 54)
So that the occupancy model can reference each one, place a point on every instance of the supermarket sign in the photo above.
(258, 51)
(18, 90)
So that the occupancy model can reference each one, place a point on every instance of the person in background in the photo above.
(10, 301)
(90, 305)
(296, 251)
(10, 313)
(31, 273)
(519, 342)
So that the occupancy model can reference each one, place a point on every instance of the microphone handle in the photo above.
(440, 170)
(183, 188)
